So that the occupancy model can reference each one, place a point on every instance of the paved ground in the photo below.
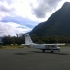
(33, 59)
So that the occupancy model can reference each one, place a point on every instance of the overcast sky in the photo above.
(20, 16)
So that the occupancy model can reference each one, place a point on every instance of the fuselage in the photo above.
(44, 47)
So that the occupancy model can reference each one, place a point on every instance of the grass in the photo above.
(12, 46)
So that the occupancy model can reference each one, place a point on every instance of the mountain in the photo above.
(58, 24)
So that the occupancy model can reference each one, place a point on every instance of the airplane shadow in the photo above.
(32, 52)
(20, 53)
(58, 53)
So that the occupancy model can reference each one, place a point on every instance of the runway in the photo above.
(34, 59)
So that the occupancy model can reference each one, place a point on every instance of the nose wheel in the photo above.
(59, 50)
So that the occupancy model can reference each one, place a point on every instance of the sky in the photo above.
(21, 16)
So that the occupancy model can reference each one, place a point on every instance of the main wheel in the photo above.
(51, 51)
(43, 51)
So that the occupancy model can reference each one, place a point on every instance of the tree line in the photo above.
(20, 39)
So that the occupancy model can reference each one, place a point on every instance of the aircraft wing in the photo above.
(54, 44)
(44, 44)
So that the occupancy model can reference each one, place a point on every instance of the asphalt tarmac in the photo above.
(34, 59)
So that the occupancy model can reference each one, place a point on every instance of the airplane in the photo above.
(43, 47)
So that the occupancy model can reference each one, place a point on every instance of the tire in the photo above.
(51, 51)
(43, 51)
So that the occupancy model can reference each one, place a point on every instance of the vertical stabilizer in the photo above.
(28, 39)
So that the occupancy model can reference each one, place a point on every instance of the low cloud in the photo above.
(20, 20)
(11, 28)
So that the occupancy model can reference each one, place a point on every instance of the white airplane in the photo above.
(43, 47)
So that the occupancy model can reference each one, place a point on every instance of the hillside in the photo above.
(58, 24)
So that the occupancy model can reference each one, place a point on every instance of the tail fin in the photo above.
(28, 39)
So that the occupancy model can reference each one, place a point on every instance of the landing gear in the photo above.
(43, 51)
(59, 50)
(51, 51)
